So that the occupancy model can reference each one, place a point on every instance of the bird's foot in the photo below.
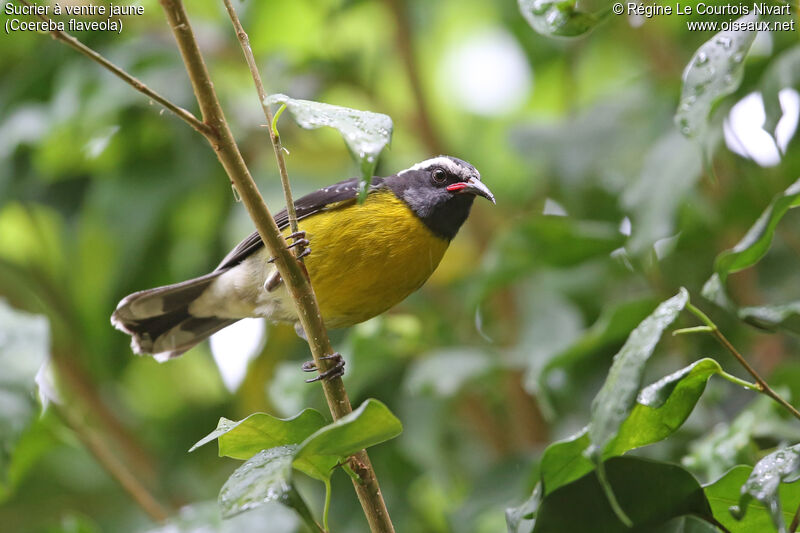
(299, 239)
(336, 371)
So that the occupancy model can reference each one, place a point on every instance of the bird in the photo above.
(367, 258)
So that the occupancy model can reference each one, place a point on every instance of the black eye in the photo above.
(439, 175)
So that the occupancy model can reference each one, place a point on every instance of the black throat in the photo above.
(442, 212)
(446, 219)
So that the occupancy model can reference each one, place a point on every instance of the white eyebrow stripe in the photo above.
(445, 162)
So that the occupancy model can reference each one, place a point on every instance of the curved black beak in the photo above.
(472, 186)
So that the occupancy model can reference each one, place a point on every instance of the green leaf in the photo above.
(660, 409)
(725, 492)
(616, 398)
(782, 466)
(260, 431)
(729, 444)
(783, 72)
(583, 506)
(31, 446)
(365, 133)
(714, 291)
(746, 253)
(715, 70)
(24, 349)
(564, 461)
(773, 317)
(204, 517)
(370, 424)
(520, 519)
(266, 477)
(557, 18)
(663, 407)
(758, 239)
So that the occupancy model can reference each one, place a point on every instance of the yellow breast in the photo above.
(367, 258)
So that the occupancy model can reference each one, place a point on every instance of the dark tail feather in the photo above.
(159, 321)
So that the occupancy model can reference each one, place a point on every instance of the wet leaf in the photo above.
(725, 492)
(204, 517)
(749, 251)
(582, 505)
(775, 317)
(266, 477)
(520, 519)
(260, 431)
(783, 72)
(715, 70)
(616, 398)
(714, 291)
(565, 461)
(663, 407)
(729, 444)
(763, 484)
(756, 242)
(370, 424)
(660, 409)
(365, 133)
(557, 18)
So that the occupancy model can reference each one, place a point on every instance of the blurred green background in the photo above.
(603, 209)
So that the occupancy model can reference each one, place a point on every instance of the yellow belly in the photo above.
(368, 259)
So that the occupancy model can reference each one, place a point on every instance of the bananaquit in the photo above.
(367, 258)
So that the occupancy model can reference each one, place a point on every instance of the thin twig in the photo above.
(795, 521)
(71, 41)
(244, 41)
(289, 268)
(99, 449)
(763, 386)
(215, 128)
(230, 157)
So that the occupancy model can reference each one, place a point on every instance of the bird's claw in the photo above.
(299, 238)
(336, 371)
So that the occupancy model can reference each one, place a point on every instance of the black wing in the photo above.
(306, 206)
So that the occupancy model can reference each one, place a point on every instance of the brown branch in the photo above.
(99, 449)
(215, 129)
(795, 521)
(404, 43)
(290, 270)
(244, 41)
(72, 42)
(763, 386)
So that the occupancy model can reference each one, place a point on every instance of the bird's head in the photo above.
(440, 192)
